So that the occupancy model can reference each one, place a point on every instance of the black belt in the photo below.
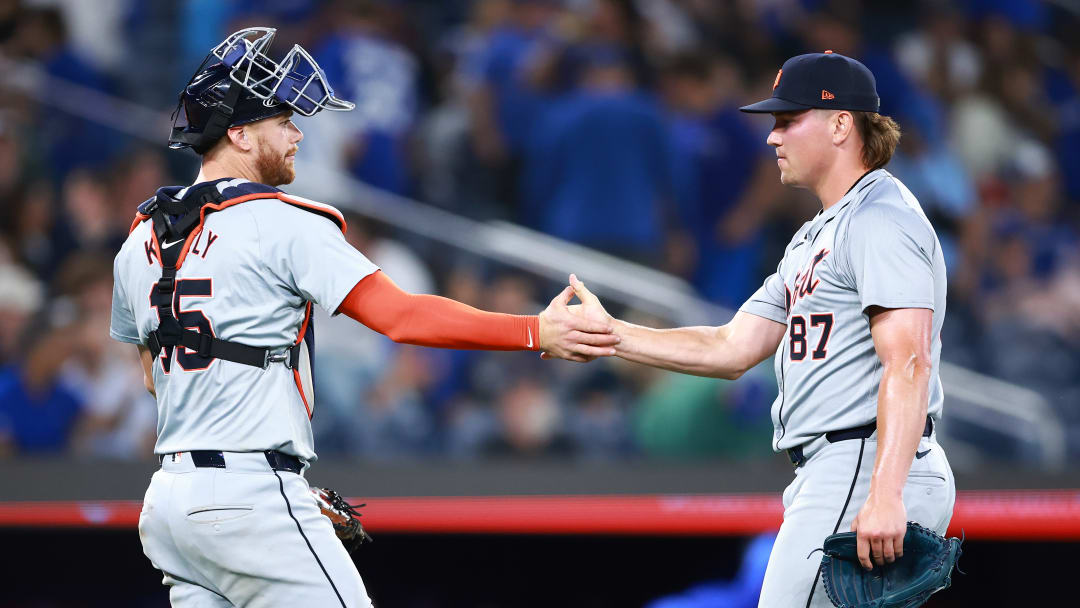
(859, 432)
(278, 461)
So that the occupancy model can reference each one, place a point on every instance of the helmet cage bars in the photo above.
(296, 80)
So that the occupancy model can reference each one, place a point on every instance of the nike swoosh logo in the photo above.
(167, 244)
(528, 330)
(921, 454)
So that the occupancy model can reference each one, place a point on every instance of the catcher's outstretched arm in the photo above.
(426, 320)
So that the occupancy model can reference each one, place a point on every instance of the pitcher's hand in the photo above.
(880, 526)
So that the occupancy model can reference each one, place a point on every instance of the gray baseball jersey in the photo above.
(874, 247)
(250, 275)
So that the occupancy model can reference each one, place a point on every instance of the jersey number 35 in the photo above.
(189, 361)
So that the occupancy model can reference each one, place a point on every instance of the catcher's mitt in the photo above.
(924, 569)
(345, 517)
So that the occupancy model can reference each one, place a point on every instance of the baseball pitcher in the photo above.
(852, 317)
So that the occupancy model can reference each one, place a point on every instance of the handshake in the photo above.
(578, 332)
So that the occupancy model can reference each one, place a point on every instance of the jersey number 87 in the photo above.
(797, 335)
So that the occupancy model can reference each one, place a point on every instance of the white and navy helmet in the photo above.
(239, 83)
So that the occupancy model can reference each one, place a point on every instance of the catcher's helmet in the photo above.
(238, 83)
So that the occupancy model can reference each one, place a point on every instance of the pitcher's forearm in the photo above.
(902, 403)
(689, 350)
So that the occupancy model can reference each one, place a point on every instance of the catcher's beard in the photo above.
(273, 169)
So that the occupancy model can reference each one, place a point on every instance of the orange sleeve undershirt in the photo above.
(424, 320)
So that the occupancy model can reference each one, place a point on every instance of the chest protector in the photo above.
(176, 215)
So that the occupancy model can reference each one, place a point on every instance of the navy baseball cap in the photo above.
(821, 80)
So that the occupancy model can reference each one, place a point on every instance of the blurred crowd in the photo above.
(610, 123)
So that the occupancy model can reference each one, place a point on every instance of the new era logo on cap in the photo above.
(811, 80)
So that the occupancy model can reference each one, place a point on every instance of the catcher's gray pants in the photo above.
(826, 496)
(244, 535)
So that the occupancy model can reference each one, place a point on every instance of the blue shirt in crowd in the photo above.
(36, 421)
(501, 66)
(715, 161)
(597, 171)
(381, 77)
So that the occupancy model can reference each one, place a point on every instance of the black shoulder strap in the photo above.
(174, 219)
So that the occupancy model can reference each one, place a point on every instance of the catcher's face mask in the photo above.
(296, 80)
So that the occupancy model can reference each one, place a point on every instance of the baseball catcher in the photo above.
(215, 285)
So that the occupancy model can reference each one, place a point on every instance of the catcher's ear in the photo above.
(239, 137)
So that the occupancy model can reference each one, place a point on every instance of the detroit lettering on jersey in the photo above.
(804, 281)
(874, 247)
(253, 268)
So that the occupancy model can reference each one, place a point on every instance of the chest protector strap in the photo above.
(173, 221)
